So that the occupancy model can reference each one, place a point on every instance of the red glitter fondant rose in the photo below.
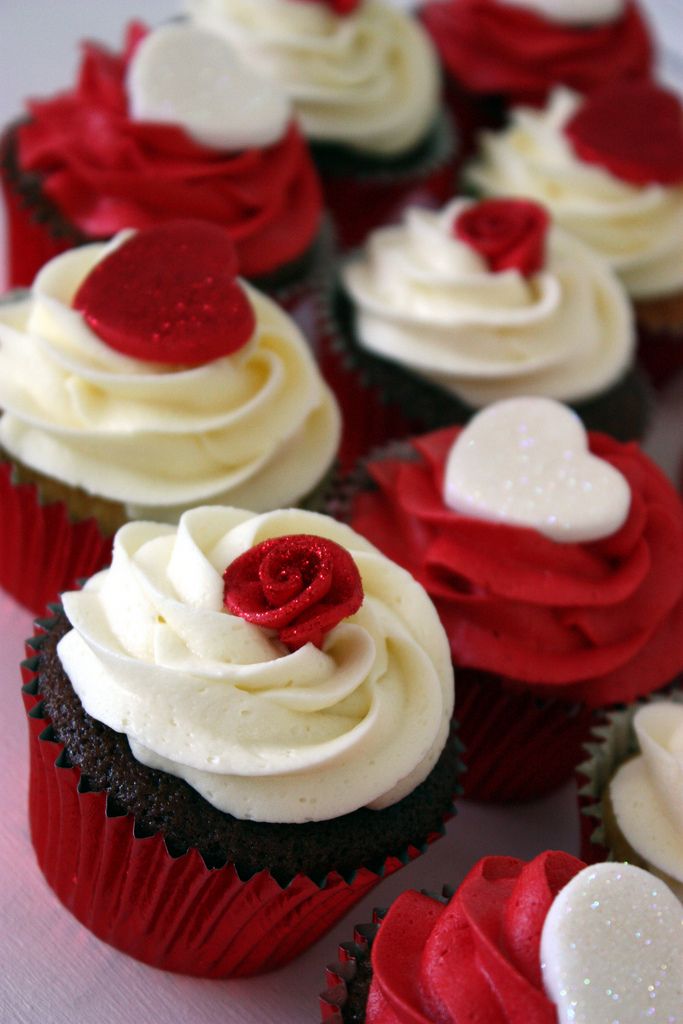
(105, 172)
(509, 233)
(477, 958)
(597, 622)
(300, 585)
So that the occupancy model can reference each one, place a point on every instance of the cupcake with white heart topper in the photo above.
(553, 559)
(139, 378)
(175, 126)
(486, 300)
(364, 80)
(543, 942)
(497, 53)
(609, 167)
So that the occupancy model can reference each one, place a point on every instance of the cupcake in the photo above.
(610, 170)
(174, 127)
(498, 53)
(258, 709)
(364, 81)
(541, 942)
(138, 378)
(483, 301)
(553, 560)
(631, 788)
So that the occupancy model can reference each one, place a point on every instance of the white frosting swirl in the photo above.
(261, 733)
(573, 12)
(258, 427)
(647, 791)
(368, 80)
(638, 229)
(429, 301)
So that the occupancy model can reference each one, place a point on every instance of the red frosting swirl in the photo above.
(300, 585)
(105, 172)
(476, 959)
(508, 233)
(492, 47)
(598, 622)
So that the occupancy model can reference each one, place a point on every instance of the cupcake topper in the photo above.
(300, 585)
(573, 12)
(612, 948)
(634, 130)
(508, 233)
(525, 462)
(186, 76)
(168, 294)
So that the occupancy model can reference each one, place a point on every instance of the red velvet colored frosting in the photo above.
(597, 622)
(477, 959)
(494, 48)
(105, 172)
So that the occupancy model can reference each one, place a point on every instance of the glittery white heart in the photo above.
(612, 948)
(525, 462)
(574, 12)
(184, 75)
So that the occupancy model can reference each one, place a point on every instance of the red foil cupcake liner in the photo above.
(60, 551)
(172, 912)
(517, 746)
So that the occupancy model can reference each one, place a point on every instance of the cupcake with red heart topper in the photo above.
(364, 80)
(175, 126)
(610, 169)
(499, 53)
(141, 377)
(553, 560)
(482, 301)
(261, 705)
(542, 942)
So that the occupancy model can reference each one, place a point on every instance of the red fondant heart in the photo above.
(634, 130)
(169, 295)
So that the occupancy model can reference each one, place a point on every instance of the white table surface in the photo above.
(53, 971)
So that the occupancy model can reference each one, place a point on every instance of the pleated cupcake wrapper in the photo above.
(612, 742)
(42, 551)
(172, 912)
(660, 352)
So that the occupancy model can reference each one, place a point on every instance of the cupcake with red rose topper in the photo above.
(552, 557)
(610, 169)
(364, 80)
(175, 126)
(500, 53)
(266, 702)
(481, 301)
(139, 378)
(542, 942)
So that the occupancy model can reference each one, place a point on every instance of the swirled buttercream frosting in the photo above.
(637, 228)
(258, 426)
(542, 942)
(135, 143)
(596, 620)
(426, 299)
(260, 731)
(368, 80)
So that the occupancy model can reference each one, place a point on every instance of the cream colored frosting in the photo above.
(258, 427)
(526, 462)
(260, 732)
(368, 80)
(638, 229)
(573, 12)
(427, 300)
(612, 948)
(647, 792)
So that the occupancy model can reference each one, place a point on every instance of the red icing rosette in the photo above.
(105, 172)
(498, 48)
(339, 7)
(596, 622)
(510, 234)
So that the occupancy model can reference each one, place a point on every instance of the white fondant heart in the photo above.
(612, 948)
(525, 462)
(187, 76)
(574, 12)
